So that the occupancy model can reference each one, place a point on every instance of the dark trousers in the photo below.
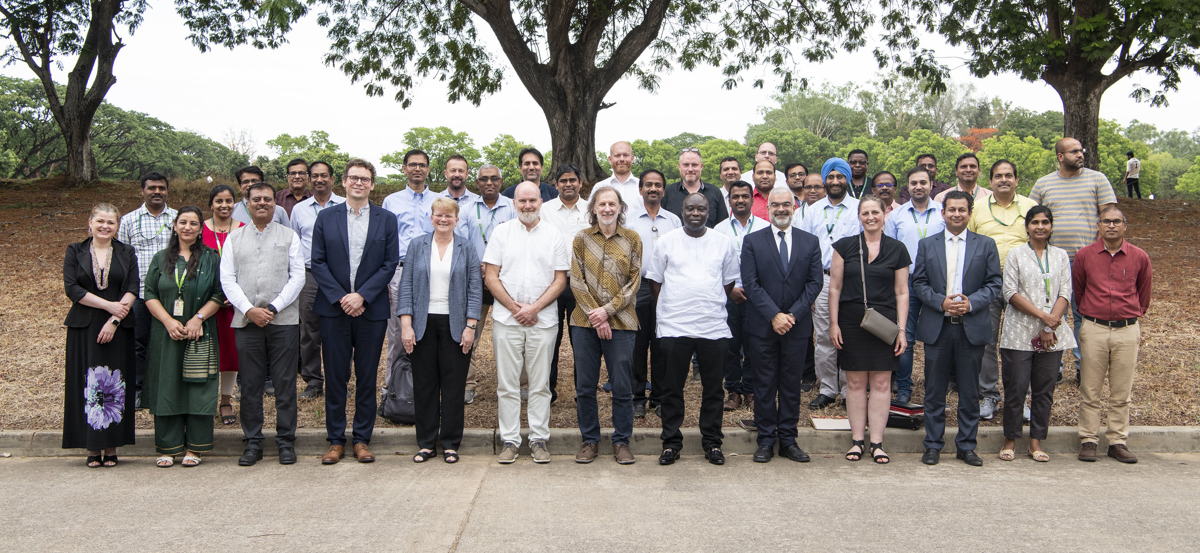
(174, 434)
(268, 352)
(678, 352)
(738, 374)
(902, 377)
(310, 334)
(566, 304)
(344, 338)
(439, 378)
(1036, 371)
(646, 345)
(952, 357)
(1133, 186)
(618, 357)
(778, 362)
(810, 363)
(141, 339)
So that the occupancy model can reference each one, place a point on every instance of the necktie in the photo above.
(783, 253)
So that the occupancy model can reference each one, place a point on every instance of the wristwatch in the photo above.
(116, 322)
(200, 315)
(272, 309)
(472, 325)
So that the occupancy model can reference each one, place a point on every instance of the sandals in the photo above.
(1007, 455)
(111, 461)
(450, 456)
(164, 461)
(855, 455)
(424, 455)
(191, 460)
(878, 455)
(231, 418)
(1039, 456)
(94, 462)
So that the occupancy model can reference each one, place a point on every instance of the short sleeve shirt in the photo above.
(1005, 225)
(1075, 202)
(693, 273)
(881, 273)
(528, 260)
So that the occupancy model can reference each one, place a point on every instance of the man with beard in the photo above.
(651, 223)
(739, 388)
(764, 182)
(304, 219)
(529, 161)
(569, 214)
(928, 162)
(478, 220)
(297, 189)
(620, 157)
(148, 230)
(691, 320)
(859, 182)
(690, 166)
(525, 268)
(766, 152)
(781, 272)
(413, 207)
(883, 185)
(1076, 195)
(456, 172)
(966, 170)
(829, 219)
(246, 177)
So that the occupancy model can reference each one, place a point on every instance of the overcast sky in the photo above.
(289, 90)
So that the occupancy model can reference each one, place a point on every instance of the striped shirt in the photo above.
(606, 272)
(148, 235)
(1075, 202)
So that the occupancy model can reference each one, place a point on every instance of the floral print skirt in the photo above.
(98, 403)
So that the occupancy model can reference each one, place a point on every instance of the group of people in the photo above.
(819, 281)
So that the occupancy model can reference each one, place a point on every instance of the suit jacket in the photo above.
(331, 262)
(772, 288)
(78, 280)
(466, 285)
(982, 283)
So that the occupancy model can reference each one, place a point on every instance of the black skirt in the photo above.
(99, 402)
(861, 350)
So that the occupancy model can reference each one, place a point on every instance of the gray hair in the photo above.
(499, 171)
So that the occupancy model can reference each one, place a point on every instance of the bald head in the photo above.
(528, 198)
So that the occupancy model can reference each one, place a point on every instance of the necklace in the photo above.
(100, 266)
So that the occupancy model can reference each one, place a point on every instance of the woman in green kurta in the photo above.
(183, 292)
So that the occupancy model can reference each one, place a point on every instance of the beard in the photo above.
(781, 221)
(528, 217)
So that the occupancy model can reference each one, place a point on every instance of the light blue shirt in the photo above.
(304, 218)
(651, 229)
(909, 225)
(476, 220)
(465, 200)
(830, 223)
(241, 214)
(412, 211)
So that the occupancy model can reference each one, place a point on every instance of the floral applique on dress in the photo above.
(103, 397)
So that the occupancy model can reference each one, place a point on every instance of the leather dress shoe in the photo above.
(311, 391)
(335, 454)
(1087, 452)
(763, 454)
(363, 454)
(1121, 453)
(715, 456)
(970, 458)
(931, 456)
(287, 455)
(821, 401)
(668, 456)
(251, 455)
(733, 401)
(794, 453)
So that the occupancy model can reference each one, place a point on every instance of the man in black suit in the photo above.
(354, 255)
(781, 273)
(957, 275)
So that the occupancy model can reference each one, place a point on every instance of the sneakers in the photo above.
(509, 454)
(541, 455)
(587, 453)
(987, 408)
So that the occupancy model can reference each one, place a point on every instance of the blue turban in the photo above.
(835, 164)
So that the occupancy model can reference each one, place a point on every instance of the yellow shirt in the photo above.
(1005, 225)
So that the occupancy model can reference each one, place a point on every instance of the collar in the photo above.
(628, 179)
(962, 235)
(143, 210)
(932, 205)
(365, 209)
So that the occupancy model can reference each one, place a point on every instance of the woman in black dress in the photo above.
(100, 275)
(864, 357)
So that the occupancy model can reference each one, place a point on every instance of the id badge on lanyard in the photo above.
(177, 311)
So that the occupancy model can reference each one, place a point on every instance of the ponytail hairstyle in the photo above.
(197, 248)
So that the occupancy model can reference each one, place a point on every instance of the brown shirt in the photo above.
(606, 272)
(287, 201)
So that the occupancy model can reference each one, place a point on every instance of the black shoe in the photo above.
(970, 458)
(658, 410)
(639, 409)
(269, 389)
(312, 391)
(763, 454)
(794, 453)
(821, 401)
(137, 399)
(251, 455)
(715, 456)
(904, 397)
(287, 455)
(807, 385)
(931, 456)
(668, 456)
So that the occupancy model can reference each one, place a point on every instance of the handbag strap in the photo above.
(862, 267)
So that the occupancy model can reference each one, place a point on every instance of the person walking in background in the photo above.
(100, 276)
(214, 234)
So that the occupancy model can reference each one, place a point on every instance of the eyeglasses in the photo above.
(416, 165)
(355, 179)
(297, 173)
(885, 185)
(1077, 151)
(777, 205)
(1112, 222)
(812, 187)
(250, 181)
(495, 178)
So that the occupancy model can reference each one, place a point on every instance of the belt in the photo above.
(954, 319)
(1112, 324)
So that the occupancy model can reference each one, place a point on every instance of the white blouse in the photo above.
(439, 279)
(1041, 281)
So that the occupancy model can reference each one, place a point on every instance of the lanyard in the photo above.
(861, 189)
(997, 219)
(479, 222)
(733, 225)
(921, 231)
(1045, 269)
(839, 210)
(179, 279)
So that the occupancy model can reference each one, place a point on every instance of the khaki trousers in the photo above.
(1107, 353)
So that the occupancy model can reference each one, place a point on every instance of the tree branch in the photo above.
(635, 42)
(532, 73)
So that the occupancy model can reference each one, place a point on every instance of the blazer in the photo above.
(78, 280)
(466, 285)
(331, 262)
(982, 284)
(772, 288)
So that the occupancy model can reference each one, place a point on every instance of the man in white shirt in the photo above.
(620, 157)
(569, 214)
(262, 272)
(766, 152)
(304, 218)
(651, 223)
(1133, 172)
(739, 388)
(525, 268)
(246, 177)
(693, 272)
(829, 219)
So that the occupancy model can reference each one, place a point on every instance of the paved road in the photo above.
(53, 504)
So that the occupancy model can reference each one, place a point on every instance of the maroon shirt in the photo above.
(1112, 287)
(285, 199)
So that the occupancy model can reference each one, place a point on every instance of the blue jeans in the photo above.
(618, 357)
(902, 378)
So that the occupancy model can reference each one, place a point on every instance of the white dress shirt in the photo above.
(528, 260)
(229, 273)
(568, 220)
(736, 231)
(830, 223)
(956, 252)
(628, 189)
(650, 229)
(693, 273)
(304, 219)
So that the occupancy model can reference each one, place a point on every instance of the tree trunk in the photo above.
(1081, 113)
(573, 139)
(81, 161)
